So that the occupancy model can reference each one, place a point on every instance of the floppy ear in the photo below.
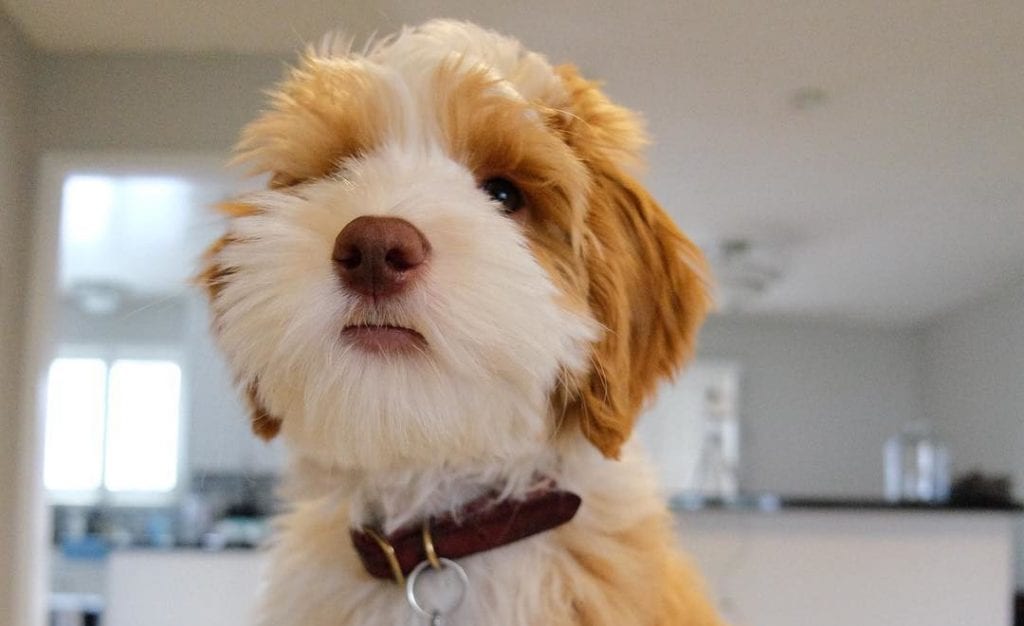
(212, 279)
(264, 425)
(647, 281)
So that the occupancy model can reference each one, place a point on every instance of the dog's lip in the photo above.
(383, 338)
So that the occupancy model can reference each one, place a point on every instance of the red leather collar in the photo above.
(481, 525)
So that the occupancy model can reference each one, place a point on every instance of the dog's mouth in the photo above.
(383, 339)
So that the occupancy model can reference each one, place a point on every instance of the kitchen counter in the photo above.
(182, 586)
(854, 562)
(817, 564)
(768, 503)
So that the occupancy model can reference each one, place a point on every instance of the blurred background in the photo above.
(848, 447)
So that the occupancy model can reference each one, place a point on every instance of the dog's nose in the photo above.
(379, 256)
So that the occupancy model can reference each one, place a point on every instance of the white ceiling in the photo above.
(898, 197)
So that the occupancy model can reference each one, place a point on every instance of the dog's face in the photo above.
(450, 264)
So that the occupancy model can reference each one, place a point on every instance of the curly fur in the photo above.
(546, 333)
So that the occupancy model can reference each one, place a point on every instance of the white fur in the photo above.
(316, 578)
(394, 439)
(497, 336)
(416, 52)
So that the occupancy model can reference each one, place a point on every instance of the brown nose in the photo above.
(379, 256)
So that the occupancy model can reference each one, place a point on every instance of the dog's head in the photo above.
(451, 262)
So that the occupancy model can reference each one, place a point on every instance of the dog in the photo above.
(452, 301)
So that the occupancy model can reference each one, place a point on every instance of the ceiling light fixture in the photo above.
(807, 98)
(743, 271)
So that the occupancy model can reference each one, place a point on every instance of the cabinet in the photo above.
(851, 568)
(172, 588)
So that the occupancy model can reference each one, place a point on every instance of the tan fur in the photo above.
(629, 577)
(646, 279)
(494, 136)
(623, 230)
(646, 285)
(647, 290)
(596, 127)
(211, 278)
(615, 257)
(323, 112)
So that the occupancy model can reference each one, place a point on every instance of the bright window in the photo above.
(112, 427)
(75, 408)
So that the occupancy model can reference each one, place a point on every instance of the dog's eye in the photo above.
(504, 191)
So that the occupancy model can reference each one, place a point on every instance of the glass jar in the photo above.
(916, 466)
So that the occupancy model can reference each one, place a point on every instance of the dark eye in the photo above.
(504, 191)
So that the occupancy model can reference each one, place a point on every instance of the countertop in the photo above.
(770, 503)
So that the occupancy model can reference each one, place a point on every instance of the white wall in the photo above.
(974, 376)
(974, 382)
(15, 158)
(817, 400)
(149, 103)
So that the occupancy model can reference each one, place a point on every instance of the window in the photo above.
(692, 431)
(112, 428)
(75, 407)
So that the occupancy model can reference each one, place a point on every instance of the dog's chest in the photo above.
(325, 585)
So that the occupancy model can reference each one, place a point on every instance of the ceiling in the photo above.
(875, 148)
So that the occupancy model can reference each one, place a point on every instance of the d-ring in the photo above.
(410, 588)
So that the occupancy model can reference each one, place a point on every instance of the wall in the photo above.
(120, 104)
(818, 400)
(974, 375)
(15, 156)
(149, 103)
(974, 379)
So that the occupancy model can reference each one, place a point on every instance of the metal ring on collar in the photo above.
(428, 545)
(410, 588)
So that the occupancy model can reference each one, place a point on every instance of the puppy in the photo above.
(452, 302)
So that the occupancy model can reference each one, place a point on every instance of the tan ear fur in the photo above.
(264, 425)
(596, 127)
(211, 279)
(647, 281)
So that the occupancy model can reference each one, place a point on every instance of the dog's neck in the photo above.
(393, 498)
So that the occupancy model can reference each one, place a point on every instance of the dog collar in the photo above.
(481, 525)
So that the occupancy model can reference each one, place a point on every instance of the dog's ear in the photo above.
(264, 425)
(212, 279)
(647, 281)
(595, 127)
